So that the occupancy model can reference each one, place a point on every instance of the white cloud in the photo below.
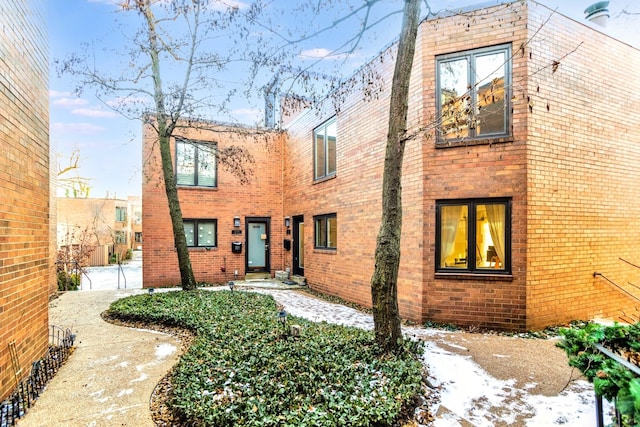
(225, 4)
(322, 53)
(247, 115)
(69, 102)
(93, 112)
(58, 94)
(77, 128)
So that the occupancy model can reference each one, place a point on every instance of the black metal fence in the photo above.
(599, 406)
(30, 388)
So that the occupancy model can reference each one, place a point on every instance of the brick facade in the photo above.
(93, 222)
(26, 267)
(567, 167)
(260, 198)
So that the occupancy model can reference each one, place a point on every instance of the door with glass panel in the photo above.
(298, 245)
(257, 245)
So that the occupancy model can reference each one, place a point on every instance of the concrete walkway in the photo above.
(484, 380)
(110, 376)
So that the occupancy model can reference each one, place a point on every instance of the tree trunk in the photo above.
(384, 290)
(188, 281)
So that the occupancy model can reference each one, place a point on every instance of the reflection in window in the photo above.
(325, 150)
(200, 232)
(473, 235)
(326, 231)
(472, 88)
(195, 163)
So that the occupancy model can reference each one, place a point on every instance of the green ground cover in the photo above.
(244, 367)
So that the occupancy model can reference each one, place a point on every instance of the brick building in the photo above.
(520, 208)
(26, 264)
(106, 225)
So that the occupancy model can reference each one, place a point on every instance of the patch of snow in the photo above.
(97, 393)
(164, 350)
(460, 347)
(141, 378)
(125, 392)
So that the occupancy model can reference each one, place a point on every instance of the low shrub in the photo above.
(610, 379)
(68, 282)
(244, 368)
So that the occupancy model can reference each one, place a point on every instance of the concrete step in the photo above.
(257, 276)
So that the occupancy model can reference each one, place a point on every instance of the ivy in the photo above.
(610, 379)
(244, 369)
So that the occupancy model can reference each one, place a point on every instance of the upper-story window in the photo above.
(196, 163)
(121, 214)
(473, 235)
(324, 150)
(473, 94)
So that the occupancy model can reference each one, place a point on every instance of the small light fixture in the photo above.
(151, 290)
(231, 285)
(236, 221)
(282, 316)
(287, 221)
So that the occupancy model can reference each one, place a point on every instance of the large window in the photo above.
(473, 94)
(195, 163)
(473, 235)
(201, 232)
(326, 231)
(324, 149)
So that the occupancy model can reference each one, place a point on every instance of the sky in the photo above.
(110, 144)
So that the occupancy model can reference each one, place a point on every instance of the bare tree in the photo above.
(74, 186)
(384, 290)
(144, 94)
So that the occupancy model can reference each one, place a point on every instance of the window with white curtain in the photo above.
(473, 235)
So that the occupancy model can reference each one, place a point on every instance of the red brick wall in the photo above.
(262, 197)
(26, 268)
(476, 171)
(569, 168)
(355, 194)
(584, 156)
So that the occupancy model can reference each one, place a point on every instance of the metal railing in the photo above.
(599, 406)
(29, 389)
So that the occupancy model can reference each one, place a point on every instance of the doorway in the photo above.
(257, 258)
(298, 245)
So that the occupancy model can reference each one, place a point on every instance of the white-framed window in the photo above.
(473, 90)
(196, 163)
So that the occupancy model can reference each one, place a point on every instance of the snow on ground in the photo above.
(467, 391)
(128, 275)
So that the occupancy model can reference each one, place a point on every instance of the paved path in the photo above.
(110, 376)
(484, 380)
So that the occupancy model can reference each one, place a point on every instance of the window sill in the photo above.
(325, 251)
(324, 179)
(494, 277)
(194, 187)
(466, 142)
(202, 248)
